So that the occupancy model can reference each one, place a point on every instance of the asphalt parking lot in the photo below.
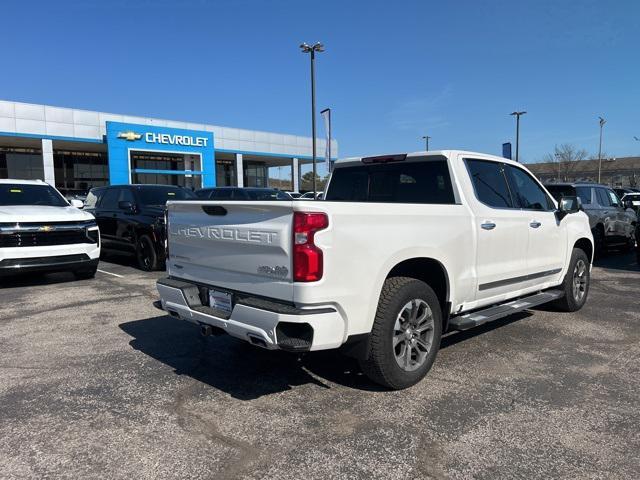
(97, 383)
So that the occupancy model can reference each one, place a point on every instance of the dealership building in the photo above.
(76, 150)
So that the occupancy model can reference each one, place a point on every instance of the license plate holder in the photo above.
(219, 300)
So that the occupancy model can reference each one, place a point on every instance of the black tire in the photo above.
(146, 254)
(571, 302)
(382, 365)
(85, 274)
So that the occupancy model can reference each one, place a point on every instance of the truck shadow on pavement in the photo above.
(622, 261)
(36, 279)
(246, 372)
(243, 371)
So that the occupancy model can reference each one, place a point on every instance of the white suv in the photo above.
(41, 231)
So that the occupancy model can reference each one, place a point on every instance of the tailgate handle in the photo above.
(214, 210)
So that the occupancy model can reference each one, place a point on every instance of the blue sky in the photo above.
(392, 71)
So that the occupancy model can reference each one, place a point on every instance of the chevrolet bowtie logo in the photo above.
(130, 136)
(45, 228)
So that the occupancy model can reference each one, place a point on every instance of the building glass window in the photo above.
(21, 163)
(255, 174)
(165, 163)
(78, 172)
(225, 173)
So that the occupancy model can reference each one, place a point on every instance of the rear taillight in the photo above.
(307, 257)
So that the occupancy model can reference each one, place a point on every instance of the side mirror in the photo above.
(126, 206)
(628, 204)
(76, 203)
(568, 205)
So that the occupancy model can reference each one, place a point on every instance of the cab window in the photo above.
(526, 191)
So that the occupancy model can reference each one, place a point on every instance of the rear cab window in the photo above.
(490, 183)
(425, 182)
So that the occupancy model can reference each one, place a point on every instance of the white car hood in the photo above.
(39, 213)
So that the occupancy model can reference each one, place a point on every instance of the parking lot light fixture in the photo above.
(311, 50)
(517, 115)
(426, 141)
(601, 121)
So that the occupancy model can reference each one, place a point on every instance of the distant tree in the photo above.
(307, 182)
(566, 156)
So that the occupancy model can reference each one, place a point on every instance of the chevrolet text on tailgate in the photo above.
(403, 249)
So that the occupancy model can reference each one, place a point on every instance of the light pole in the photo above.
(517, 115)
(426, 141)
(316, 47)
(602, 122)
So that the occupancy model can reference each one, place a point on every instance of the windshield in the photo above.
(159, 195)
(21, 194)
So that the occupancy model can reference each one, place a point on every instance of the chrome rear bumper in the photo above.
(269, 324)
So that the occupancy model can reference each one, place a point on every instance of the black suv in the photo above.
(612, 222)
(239, 193)
(131, 219)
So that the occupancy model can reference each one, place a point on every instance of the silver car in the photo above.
(612, 222)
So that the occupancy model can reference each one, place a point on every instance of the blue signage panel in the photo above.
(506, 150)
(124, 137)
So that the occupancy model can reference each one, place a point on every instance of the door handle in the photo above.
(488, 225)
(535, 224)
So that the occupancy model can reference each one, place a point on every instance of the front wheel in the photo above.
(146, 254)
(406, 332)
(576, 283)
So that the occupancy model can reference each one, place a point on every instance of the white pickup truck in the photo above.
(403, 248)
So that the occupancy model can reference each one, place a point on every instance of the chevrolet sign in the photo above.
(169, 139)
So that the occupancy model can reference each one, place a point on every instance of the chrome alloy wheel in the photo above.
(579, 280)
(413, 334)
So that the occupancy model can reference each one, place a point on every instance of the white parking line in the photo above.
(109, 273)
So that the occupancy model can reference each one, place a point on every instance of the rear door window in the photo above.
(403, 182)
(603, 198)
(584, 193)
(490, 183)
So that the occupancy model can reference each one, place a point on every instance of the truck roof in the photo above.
(22, 182)
(446, 153)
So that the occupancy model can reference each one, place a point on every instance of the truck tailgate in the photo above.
(242, 246)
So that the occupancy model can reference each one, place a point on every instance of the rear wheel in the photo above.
(146, 254)
(576, 283)
(406, 332)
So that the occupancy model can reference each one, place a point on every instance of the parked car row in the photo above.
(130, 219)
(612, 221)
